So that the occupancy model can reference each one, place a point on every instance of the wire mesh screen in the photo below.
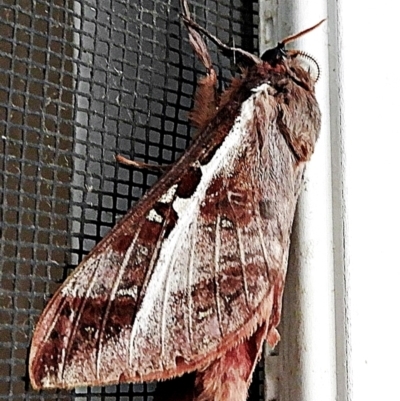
(81, 81)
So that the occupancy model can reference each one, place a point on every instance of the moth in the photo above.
(189, 283)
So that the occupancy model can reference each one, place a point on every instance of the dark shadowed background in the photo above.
(81, 81)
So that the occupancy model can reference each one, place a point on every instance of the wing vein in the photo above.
(262, 243)
(216, 271)
(189, 310)
(164, 304)
(65, 351)
(146, 281)
(117, 281)
(243, 266)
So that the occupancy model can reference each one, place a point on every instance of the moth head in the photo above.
(280, 55)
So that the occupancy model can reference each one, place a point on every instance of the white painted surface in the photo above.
(305, 369)
(365, 145)
(369, 110)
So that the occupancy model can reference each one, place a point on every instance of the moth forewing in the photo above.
(191, 279)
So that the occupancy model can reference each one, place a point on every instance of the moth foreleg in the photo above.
(207, 97)
(141, 165)
(227, 50)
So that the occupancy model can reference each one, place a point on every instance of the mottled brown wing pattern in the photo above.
(94, 306)
(191, 278)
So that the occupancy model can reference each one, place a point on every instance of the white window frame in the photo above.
(341, 330)
(310, 363)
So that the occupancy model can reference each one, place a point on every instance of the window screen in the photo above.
(81, 81)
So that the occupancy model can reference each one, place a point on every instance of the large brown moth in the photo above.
(191, 279)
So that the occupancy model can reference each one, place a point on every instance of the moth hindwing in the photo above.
(191, 279)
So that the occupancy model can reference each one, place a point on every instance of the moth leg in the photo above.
(227, 50)
(140, 165)
(207, 97)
